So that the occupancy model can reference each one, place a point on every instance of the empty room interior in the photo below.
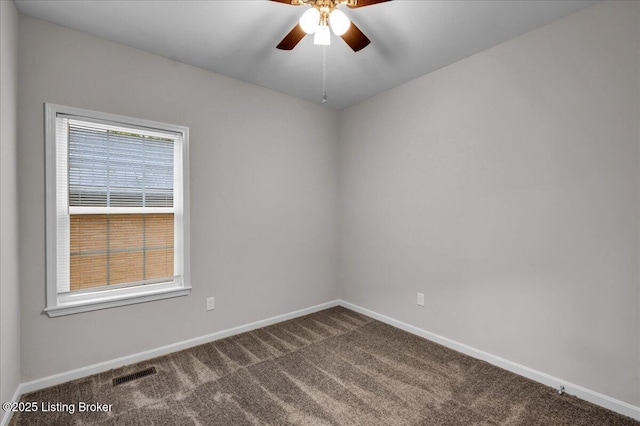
(320, 212)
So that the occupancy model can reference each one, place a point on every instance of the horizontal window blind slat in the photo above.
(93, 123)
(118, 210)
(113, 167)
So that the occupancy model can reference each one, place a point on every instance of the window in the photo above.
(117, 210)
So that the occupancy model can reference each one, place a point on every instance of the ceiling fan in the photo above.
(322, 15)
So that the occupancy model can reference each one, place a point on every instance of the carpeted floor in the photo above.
(334, 367)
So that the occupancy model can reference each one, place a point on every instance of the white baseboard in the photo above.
(579, 391)
(6, 418)
(570, 388)
(57, 379)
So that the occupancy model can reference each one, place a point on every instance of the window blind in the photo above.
(121, 225)
(115, 168)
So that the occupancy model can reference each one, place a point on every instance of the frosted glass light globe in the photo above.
(339, 21)
(309, 20)
(323, 36)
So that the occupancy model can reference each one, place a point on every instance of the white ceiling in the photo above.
(238, 38)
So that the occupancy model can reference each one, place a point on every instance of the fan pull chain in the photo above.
(324, 74)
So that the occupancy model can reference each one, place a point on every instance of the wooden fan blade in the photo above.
(293, 38)
(355, 38)
(363, 3)
(284, 1)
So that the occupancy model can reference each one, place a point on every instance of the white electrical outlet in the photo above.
(420, 299)
(210, 304)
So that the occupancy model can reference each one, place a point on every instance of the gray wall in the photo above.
(9, 288)
(505, 187)
(263, 196)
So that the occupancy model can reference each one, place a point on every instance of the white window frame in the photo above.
(101, 298)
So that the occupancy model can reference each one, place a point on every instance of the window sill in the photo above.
(114, 301)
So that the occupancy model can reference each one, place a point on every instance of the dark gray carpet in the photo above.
(334, 367)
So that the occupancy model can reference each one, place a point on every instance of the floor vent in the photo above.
(133, 376)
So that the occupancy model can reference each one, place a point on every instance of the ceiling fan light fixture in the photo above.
(322, 36)
(339, 21)
(310, 20)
